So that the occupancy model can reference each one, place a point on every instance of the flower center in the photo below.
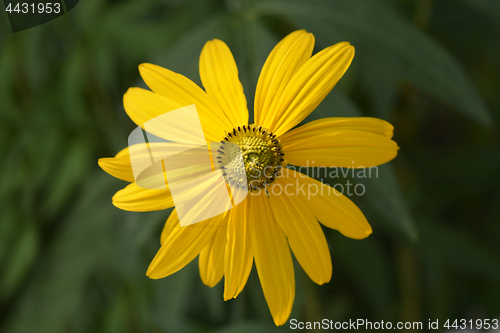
(261, 157)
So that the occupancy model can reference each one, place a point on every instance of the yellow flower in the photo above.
(269, 222)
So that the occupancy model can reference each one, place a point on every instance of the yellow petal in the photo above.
(340, 148)
(172, 221)
(329, 206)
(309, 86)
(137, 199)
(272, 259)
(282, 63)
(326, 125)
(211, 261)
(201, 199)
(191, 164)
(182, 245)
(182, 91)
(219, 76)
(143, 105)
(238, 256)
(303, 231)
(121, 168)
(118, 166)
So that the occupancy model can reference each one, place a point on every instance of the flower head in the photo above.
(277, 215)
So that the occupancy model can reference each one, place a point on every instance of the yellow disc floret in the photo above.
(261, 157)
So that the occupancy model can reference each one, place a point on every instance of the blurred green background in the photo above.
(72, 262)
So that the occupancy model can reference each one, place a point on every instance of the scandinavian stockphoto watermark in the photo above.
(171, 152)
(205, 179)
(358, 324)
(470, 325)
(341, 185)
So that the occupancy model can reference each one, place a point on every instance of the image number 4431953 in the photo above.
(25, 14)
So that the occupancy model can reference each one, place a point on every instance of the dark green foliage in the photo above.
(72, 262)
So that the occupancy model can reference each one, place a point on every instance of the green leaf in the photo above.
(20, 260)
(455, 248)
(384, 194)
(57, 288)
(73, 166)
(367, 264)
(488, 7)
